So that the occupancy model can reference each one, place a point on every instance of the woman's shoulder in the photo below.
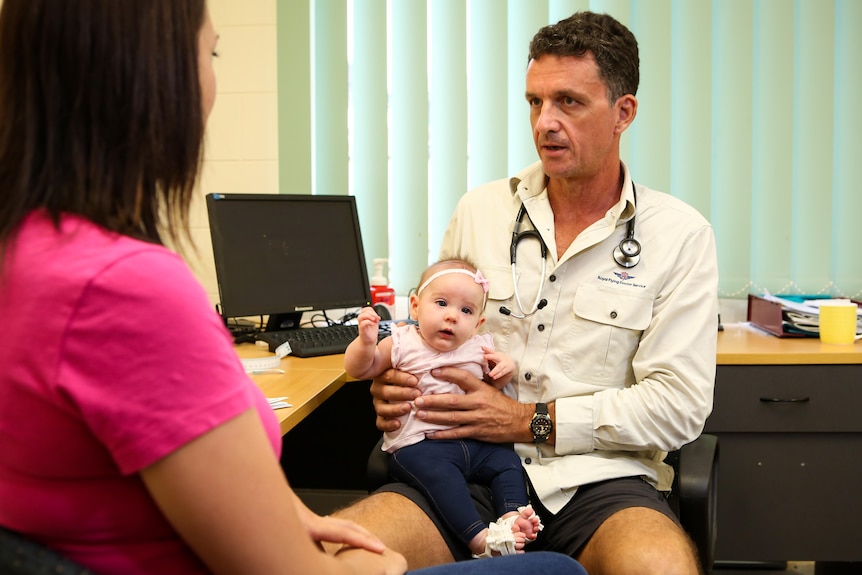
(53, 246)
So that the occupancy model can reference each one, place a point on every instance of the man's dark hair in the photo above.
(613, 46)
(100, 112)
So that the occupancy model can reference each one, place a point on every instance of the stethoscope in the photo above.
(627, 254)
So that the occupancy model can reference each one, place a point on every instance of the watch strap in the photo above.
(541, 425)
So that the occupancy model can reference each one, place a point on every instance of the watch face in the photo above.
(541, 426)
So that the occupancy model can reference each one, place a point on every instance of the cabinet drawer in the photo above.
(787, 398)
(784, 495)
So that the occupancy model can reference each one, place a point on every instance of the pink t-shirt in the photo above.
(112, 358)
(410, 353)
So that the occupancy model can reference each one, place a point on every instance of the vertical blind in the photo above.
(747, 111)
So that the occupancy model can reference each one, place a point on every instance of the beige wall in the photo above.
(242, 132)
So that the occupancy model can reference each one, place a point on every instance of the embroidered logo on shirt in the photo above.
(622, 278)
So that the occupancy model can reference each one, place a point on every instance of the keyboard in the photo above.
(314, 341)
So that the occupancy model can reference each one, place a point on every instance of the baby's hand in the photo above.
(502, 367)
(368, 325)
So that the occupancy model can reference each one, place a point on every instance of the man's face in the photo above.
(575, 129)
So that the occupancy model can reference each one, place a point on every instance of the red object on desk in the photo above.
(767, 315)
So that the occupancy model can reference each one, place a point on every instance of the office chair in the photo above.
(694, 493)
(21, 556)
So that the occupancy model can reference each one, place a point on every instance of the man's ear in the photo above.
(627, 107)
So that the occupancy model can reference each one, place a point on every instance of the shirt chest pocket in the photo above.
(604, 334)
(611, 307)
(500, 286)
(500, 292)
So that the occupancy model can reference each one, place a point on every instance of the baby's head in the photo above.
(449, 303)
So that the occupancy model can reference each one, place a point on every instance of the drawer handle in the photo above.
(785, 400)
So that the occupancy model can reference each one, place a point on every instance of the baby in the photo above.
(448, 308)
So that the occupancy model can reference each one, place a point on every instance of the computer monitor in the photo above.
(284, 254)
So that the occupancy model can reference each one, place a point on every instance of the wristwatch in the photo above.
(541, 424)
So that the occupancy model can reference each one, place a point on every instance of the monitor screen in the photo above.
(284, 254)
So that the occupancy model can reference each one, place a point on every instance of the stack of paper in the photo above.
(801, 314)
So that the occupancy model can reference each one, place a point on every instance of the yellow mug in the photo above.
(838, 322)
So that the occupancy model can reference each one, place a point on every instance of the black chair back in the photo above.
(22, 556)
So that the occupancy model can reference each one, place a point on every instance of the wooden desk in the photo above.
(787, 414)
(329, 408)
(306, 382)
(739, 345)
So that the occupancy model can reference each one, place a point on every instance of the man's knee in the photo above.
(402, 526)
(640, 540)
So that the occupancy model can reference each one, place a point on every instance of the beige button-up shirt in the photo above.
(627, 354)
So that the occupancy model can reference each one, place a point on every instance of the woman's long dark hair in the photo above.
(100, 113)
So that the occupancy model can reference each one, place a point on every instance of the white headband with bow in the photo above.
(477, 277)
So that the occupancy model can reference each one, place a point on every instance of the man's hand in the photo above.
(391, 392)
(483, 412)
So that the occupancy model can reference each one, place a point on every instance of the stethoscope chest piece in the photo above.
(628, 253)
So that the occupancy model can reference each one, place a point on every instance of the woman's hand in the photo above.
(334, 530)
(387, 563)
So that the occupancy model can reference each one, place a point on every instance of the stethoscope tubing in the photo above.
(626, 254)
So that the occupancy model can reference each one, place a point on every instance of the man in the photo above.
(615, 349)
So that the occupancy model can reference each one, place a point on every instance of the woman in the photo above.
(131, 439)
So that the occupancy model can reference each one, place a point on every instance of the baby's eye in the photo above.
(467, 310)
(441, 303)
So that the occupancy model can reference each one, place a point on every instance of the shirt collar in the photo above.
(532, 181)
(528, 183)
(627, 204)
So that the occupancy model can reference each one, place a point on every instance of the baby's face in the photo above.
(449, 311)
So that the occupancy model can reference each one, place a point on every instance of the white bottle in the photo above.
(381, 293)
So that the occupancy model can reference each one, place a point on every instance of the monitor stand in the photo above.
(282, 321)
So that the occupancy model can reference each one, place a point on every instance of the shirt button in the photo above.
(528, 461)
(528, 376)
(613, 315)
(541, 327)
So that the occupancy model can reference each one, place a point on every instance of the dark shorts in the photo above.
(569, 530)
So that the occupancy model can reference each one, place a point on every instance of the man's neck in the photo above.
(578, 204)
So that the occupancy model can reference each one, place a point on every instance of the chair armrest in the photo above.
(377, 472)
(698, 494)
